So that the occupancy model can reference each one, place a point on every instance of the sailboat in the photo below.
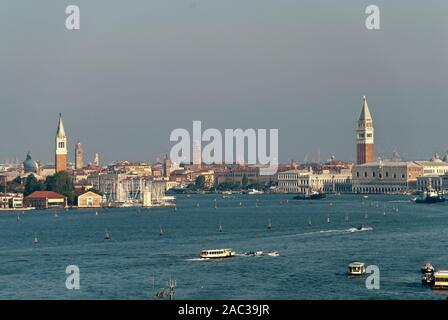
(175, 208)
(220, 227)
(96, 213)
(328, 219)
(241, 203)
(269, 224)
(36, 241)
(18, 217)
(106, 235)
(161, 231)
(309, 221)
(384, 210)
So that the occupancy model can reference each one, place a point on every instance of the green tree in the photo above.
(200, 182)
(62, 183)
(32, 184)
(244, 181)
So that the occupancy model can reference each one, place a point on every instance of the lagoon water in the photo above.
(136, 261)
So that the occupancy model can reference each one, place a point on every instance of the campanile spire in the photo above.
(365, 135)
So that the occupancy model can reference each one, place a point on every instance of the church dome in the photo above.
(436, 158)
(29, 165)
(445, 158)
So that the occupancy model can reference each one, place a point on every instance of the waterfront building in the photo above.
(435, 174)
(438, 183)
(46, 200)
(90, 199)
(302, 181)
(61, 147)
(386, 176)
(365, 136)
(79, 156)
(11, 200)
(208, 174)
(235, 174)
(434, 167)
(182, 176)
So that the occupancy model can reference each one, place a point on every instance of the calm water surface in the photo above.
(312, 264)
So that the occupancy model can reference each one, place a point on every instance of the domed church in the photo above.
(29, 165)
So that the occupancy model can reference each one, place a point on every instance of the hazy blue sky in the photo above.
(139, 69)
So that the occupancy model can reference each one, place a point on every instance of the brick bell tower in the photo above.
(61, 147)
(364, 136)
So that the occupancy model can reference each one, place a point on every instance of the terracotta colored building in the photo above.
(90, 200)
(46, 200)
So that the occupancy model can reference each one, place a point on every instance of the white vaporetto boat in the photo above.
(217, 254)
(356, 269)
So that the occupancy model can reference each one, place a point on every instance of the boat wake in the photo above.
(340, 231)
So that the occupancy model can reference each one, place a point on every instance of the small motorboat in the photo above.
(427, 268)
(273, 254)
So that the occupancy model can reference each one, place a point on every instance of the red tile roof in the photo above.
(44, 195)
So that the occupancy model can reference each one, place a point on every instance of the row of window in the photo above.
(378, 189)
(380, 175)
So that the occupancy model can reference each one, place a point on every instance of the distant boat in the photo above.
(96, 213)
(328, 219)
(241, 203)
(220, 227)
(106, 235)
(56, 215)
(430, 196)
(161, 231)
(269, 225)
(36, 241)
(313, 195)
(309, 221)
(18, 217)
(197, 205)
(254, 191)
(175, 208)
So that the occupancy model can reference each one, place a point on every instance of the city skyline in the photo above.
(121, 97)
